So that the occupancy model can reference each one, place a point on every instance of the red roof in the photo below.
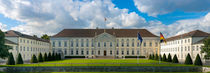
(114, 32)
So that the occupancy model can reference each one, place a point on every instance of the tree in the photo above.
(206, 48)
(164, 57)
(53, 56)
(150, 56)
(175, 59)
(46, 37)
(198, 61)
(156, 57)
(153, 56)
(11, 60)
(40, 59)
(19, 59)
(49, 58)
(169, 58)
(34, 59)
(160, 57)
(45, 57)
(35, 36)
(188, 60)
(4, 53)
(59, 56)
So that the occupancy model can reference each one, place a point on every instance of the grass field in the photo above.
(102, 62)
(106, 72)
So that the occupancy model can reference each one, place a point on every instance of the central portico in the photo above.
(104, 43)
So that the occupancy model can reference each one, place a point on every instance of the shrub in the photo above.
(19, 59)
(153, 56)
(175, 59)
(150, 56)
(49, 58)
(164, 57)
(56, 56)
(10, 60)
(40, 59)
(198, 61)
(160, 57)
(188, 60)
(45, 56)
(59, 56)
(53, 56)
(169, 58)
(34, 59)
(156, 57)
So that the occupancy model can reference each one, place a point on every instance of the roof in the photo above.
(12, 33)
(114, 32)
(195, 33)
(9, 42)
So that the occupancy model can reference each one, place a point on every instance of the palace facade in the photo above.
(183, 44)
(26, 45)
(96, 43)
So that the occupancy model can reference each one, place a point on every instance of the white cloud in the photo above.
(3, 27)
(158, 7)
(181, 26)
(47, 16)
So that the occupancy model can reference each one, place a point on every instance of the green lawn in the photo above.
(102, 62)
(106, 72)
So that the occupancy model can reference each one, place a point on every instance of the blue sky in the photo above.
(174, 16)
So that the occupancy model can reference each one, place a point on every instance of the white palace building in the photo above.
(183, 44)
(96, 43)
(26, 45)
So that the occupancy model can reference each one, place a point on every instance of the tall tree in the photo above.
(11, 60)
(46, 37)
(45, 57)
(198, 61)
(206, 48)
(188, 60)
(34, 59)
(49, 58)
(40, 58)
(164, 57)
(4, 53)
(169, 58)
(175, 59)
(19, 59)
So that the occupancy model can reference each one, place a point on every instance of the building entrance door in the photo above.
(104, 52)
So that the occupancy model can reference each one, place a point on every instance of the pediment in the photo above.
(105, 37)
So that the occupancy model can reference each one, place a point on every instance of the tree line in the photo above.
(34, 59)
(188, 59)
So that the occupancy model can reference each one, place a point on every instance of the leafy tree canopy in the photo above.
(4, 53)
(46, 37)
(206, 47)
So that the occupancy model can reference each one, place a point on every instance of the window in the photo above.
(132, 42)
(82, 43)
(82, 52)
(72, 51)
(65, 44)
(104, 44)
(92, 43)
(110, 44)
(65, 51)
(23, 48)
(98, 44)
(132, 52)
(122, 43)
(87, 42)
(20, 40)
(144, 44)
(53, 43)
(150, 44)
(99, 52)
(77, 52)
(20, 48)
(156, 44)
(87, 52)
(188, 40)
(92, 52)
(27, 48)
(138, 52)
(138, 44)
(117, 43)
(59, 43)
(127, 42)
(117, 52)
(122, 52)
(77, 43)
(127, 52)
(110, 52)
(72, 43)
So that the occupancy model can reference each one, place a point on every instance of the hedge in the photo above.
(134, 56)
(11, 60)
(74, 56)
(19, 59)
